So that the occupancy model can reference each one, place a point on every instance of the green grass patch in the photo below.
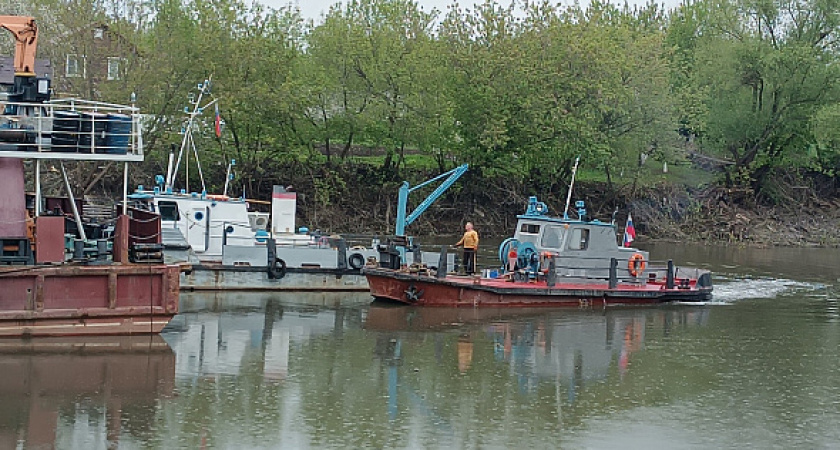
(650, 174)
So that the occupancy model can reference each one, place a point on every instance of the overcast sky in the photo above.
(312, 9)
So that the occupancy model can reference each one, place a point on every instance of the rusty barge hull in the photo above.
(461, 291)
(68, 300)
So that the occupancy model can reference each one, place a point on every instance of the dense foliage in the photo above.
(516, 92)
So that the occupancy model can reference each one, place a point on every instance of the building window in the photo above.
(75, 66)
(114, 68)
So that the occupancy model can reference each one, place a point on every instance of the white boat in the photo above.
(230, 247)
(205, 222)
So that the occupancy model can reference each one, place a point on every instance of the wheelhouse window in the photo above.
(168, 211)
(579, 239)
(552, 237)
(530, 228)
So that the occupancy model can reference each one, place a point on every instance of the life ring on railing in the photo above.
(357, 261)
(636, 264)
(279, 268)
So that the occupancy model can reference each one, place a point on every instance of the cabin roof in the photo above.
(564, 221)
(145, 195)
(198, 198)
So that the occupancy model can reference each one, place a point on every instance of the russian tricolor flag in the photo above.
(629, 231)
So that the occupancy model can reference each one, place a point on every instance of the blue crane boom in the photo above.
(402, 203)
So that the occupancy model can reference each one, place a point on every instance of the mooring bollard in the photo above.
(551, 276)
(101, 249)
(613, 273)
(669, 278)
(342, 254)
(443, 264)
(271, 256)
(415, 249)
(78, 250)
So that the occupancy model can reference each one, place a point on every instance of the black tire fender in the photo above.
(356, 261)
(279, 268)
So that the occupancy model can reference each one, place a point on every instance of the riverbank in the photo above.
(717, 215)
(663, 212)
(361, 199)
(763, 228)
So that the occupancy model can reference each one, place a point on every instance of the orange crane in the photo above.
(26, 40)
(27, 87)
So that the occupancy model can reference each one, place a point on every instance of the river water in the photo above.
(759, 367)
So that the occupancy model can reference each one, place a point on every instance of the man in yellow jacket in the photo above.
(470, 243)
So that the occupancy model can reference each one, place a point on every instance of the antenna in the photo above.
(188, 143)
(229, 177)
(571, 187)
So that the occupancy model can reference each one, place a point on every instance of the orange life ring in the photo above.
(636, 264)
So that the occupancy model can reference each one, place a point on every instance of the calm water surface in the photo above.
(757, 368)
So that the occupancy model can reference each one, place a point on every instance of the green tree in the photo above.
(766, 69)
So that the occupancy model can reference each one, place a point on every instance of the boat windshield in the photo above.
(553, 237)
(168, 210)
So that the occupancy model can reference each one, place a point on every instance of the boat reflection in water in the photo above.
(239, 301)
(255, 333)
(76, 392)
(255, 371)
(568, 349)
(226, 333)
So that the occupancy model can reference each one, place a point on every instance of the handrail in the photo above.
(71, 129)
(666, 274)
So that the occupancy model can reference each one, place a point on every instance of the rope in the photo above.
(153, 219)
(17, 221)
(222, 224)
(144, 237)
(215, 223)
